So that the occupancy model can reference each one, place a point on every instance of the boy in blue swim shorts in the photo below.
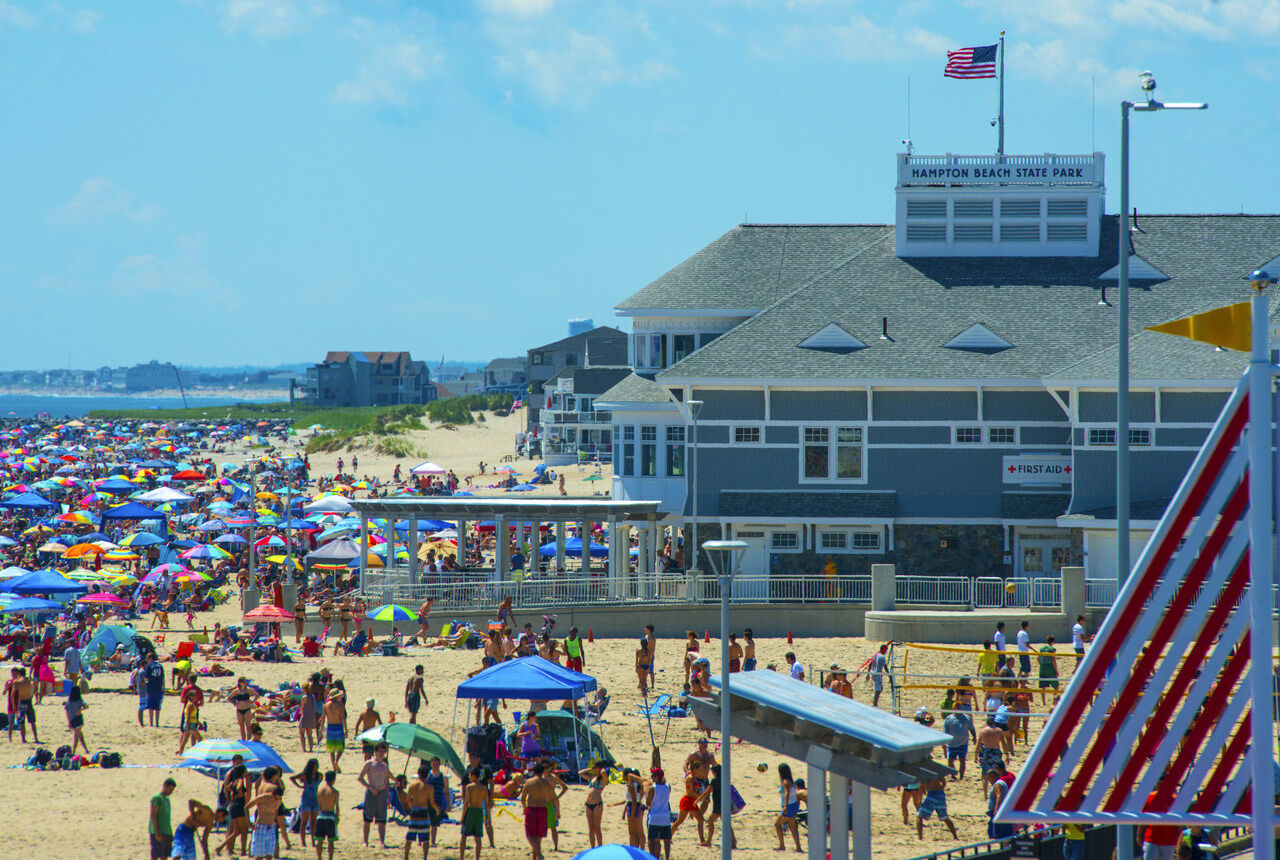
(935, 800)
(184, 835)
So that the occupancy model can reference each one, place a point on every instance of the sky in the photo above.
(225, 182)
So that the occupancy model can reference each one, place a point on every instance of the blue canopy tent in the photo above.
(32, 604)
(29, 502)
(43, 582)
(131, 511)
(533, 678)
(573, 547)
(116, 485)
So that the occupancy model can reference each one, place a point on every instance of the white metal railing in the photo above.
(947, 590)
(1046, 591)
(1099, 593)
(990, 592)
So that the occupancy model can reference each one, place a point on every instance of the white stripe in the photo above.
(1234, 790)
(1216, 740)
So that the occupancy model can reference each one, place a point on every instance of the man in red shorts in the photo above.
(536, 795)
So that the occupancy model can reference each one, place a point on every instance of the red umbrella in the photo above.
(188, 475)
(268, 612)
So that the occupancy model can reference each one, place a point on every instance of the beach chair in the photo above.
(657, 709)
(185, 650)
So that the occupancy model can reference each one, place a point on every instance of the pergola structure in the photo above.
(849, 747)
(523, 513)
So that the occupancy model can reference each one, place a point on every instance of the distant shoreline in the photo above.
(263, 395)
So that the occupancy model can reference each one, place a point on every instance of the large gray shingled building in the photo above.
(938, 392)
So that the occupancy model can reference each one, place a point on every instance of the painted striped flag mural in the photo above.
(977, 62)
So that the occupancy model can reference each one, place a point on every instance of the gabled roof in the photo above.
(506, 364)
(1047, 307)
(754, 265)
(1139, 270)
(635, 389)
(575, 342)
(589, 380)
(399, 358)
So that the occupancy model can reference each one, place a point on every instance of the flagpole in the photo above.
(1000, 117)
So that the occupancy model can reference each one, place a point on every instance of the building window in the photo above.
(657, 350)
(746, 435)
(628, 450)
(1102, 436)
(706, 338)
(682, 345)
(832, 453)
(570, 359)
(648, 451)
(535, 358)
(865, 540)
(1003, 435)
(675, 452)
(784, 541)
(641, 347)
(834, 541)
(968, 435)
(1139, 436)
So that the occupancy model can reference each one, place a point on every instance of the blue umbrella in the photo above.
(32, 604)
(614, 852)
(228, 539)
(218, 751)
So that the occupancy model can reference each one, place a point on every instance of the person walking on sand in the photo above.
(575, 654)
(75, 707)
(335, 731)
(414, 694)
(935, 800)
(327, 818)
(787, 819)
(375, 777)
(536, 797)
(159, 827)
(424, 618)
(422, 811)
(475, 804)
(658, 798)
(748, 650)
(24, 701)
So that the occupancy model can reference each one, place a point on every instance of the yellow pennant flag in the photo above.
(1227, 327)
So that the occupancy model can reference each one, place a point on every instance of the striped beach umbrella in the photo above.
(392, 612)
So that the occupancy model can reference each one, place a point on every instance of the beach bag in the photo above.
(109, 760)
(69, 762)
(736, 800)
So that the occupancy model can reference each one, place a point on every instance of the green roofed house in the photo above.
(938, 392)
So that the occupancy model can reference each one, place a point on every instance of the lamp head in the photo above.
(1261, 279)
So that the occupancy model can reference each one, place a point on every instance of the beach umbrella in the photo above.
(230, 539)
(418, 741)
(32, 604)
(614, 851)
(142, 539)
(172, 568)
(43, 582)
(121, 555)
(427, 468)
(85, 575)
(104, 597)
(504, 470)
(187, 475)
(53, 547)
(206, 550)
(223, 749)
(595, 478)
(268, 612)
(392, 612)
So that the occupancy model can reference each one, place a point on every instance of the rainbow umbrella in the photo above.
(392, 612)
(206, 550)
(104, 597)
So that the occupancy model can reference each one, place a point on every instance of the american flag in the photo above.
(977, 62)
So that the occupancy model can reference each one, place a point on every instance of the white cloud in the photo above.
(269, 19)
(100, 199)
(83, 20)
(517, 8)
(15, 16)
(863, 40)
(396, 61)
(578, 62)
(180, 271)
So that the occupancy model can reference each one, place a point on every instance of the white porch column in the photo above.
(462, 543)
(413, 550)
(861, 821)
(818, 813)
(560, 529)
(617, 557)
(501, 558)
(838, 791)
(643, 567)
(364, 548)
(584, 532)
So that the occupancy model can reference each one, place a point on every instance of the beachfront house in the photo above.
(368, 379)
(598, 346)
(505, 376)
(572, 428)
(938, 392)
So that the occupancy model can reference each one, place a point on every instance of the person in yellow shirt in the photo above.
(1072, 842)
(988, 661)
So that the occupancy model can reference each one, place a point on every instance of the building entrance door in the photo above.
(752, 582)
(1042, 554)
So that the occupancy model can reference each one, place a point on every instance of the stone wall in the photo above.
(955, 550)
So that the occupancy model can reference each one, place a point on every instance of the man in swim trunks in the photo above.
(536, 795)
(413, 693)
(989, 754)
(326, 826)
(375, 776)
(184, 835)
(735, 653)
(573, 650)
(262, 845)
(335, 732)
(422, 805)
(475, 803)
(698, 765)
(369, 718)
(748, 650)
(935, 800)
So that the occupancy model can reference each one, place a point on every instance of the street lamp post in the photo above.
(1124, 844)
(734, 550)
(694, 407)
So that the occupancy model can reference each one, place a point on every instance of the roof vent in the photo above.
(1139, 270)
(832, 338)
(1272, 268)
(978, 338)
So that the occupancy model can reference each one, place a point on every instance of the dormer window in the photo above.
(978, 338)
(832, 338)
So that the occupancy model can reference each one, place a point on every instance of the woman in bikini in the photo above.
(691, 647)
(633, 810)
(966, 699)
(689, 807)
(596, 778)
(243, 697)
(642, 670)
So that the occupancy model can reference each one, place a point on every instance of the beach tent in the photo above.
(107, 637)
(329, 504)
(131, 511)
(43, 582)
(28, 501)
(562, 737)
(527, 678)
(32, 604)
(573, 548)
(165, 494)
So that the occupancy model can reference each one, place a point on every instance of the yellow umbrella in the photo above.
(83, 549)
(265, 495)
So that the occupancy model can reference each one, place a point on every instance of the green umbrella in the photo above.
(594, 478)
(418, 741)
(391, 612)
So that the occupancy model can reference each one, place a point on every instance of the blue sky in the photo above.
(257, 181)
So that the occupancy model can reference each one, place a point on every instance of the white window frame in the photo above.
(733, 434)
(992, 431)
(974, 428)
(1092, 443)
(773, 534)
(833, 429)
(850, 534)
(1147, 443)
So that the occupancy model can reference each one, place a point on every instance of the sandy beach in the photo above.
(102, 813)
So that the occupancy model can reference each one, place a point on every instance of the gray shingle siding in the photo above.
(924, 405)
(730, 405)
(1191, 407)
(1101, 406)
(1033, 506)
(782, 435)
(938, 482)
(1156, 474)
(1045, 435)
(802, 506)
(1020, 406)
(1180, 436)
(877, 435)
(712, 434)
(818, 405)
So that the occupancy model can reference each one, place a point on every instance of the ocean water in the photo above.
(27, 405)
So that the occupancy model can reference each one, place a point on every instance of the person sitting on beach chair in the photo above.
(452, 640)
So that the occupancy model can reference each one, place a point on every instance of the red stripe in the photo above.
(1082, 689)
(1164, 632)
(1215, 702)
(1230, 758)
(1177, 689)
